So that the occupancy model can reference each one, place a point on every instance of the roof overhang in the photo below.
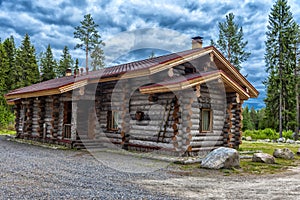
(182, 83)
(11, 98)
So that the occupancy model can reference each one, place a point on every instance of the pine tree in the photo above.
(6, 116)
(230, 42)
(88, 35)
(76, 67)
(280, 64)
(10, 49)
(3, 70)
(247, 121)
(65, 62)
(26, 71)
(97, 58)
(48, 65)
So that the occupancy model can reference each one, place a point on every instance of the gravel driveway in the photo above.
(32, 172)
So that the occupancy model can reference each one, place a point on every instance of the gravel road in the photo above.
(33, 172)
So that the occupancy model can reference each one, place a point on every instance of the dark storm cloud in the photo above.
(145, 24)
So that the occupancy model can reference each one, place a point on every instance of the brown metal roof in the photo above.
(54, 86)
(102, 73)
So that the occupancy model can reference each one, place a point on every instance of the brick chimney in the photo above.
(68, 72)
(197, 42)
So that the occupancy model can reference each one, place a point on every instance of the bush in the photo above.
(6, 117)
(267, 133)
(287, 134)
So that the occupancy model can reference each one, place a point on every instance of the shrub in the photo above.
(267, 133)
(287, 134)
(6, 117)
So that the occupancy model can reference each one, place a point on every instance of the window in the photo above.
(112, 120)
(206, 120)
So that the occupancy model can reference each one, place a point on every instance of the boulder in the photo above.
(263, 157)
(222, 157)
(290, 141)
(248, 138)
(285, 153)
(282, 139)
(267, 140)
(298, 152)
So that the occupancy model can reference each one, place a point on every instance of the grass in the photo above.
(7, 132)
(249, 167)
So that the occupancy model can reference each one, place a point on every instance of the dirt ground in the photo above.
(33, 172)
(214, 185)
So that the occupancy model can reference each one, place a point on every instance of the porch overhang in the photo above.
(189, 81)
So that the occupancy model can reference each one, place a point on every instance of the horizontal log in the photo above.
(151, 144)
(206, 143)
(150, 138)
(208, 138)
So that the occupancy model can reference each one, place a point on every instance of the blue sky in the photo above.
(128, 26)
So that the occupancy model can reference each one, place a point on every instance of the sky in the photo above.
(132, 29)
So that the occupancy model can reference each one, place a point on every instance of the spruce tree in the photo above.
(65, 62)
(27, 71)
(6, 116)
(247, 120)
(3, 70)
(280, 64)
(230, 42)
(10, 49)
(97, 58)
(88, 34)
(76, 67)
(48, 65)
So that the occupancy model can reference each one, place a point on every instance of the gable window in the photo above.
(206, 120)
(112, 120)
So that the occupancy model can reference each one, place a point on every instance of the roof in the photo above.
(129, 70)
(185, 82)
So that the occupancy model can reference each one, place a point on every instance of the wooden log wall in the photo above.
(49, 117)
(38, 117)
(60, 119)
(183, 140)
(155, 130)
(104, 102)
(124, 113)
(19, 114)
(212, 96)
(27, 126)
(74, 121)
(233, 123)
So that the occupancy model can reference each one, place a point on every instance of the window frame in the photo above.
(111, 121)
(210, 120)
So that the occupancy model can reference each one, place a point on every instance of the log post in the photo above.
(182, 140)
(125, 115)
(74, 121)
(61, 117)
(18, 120)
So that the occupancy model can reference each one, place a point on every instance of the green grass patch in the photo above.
(7, 132)
(246, 165)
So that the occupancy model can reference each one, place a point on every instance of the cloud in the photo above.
(137, 26)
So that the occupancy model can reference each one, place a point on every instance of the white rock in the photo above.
(263, 157)
(290, 141)
(285, 153)
(282, 139)
(221, 158)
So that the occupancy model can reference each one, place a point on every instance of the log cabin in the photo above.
(183, 103)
